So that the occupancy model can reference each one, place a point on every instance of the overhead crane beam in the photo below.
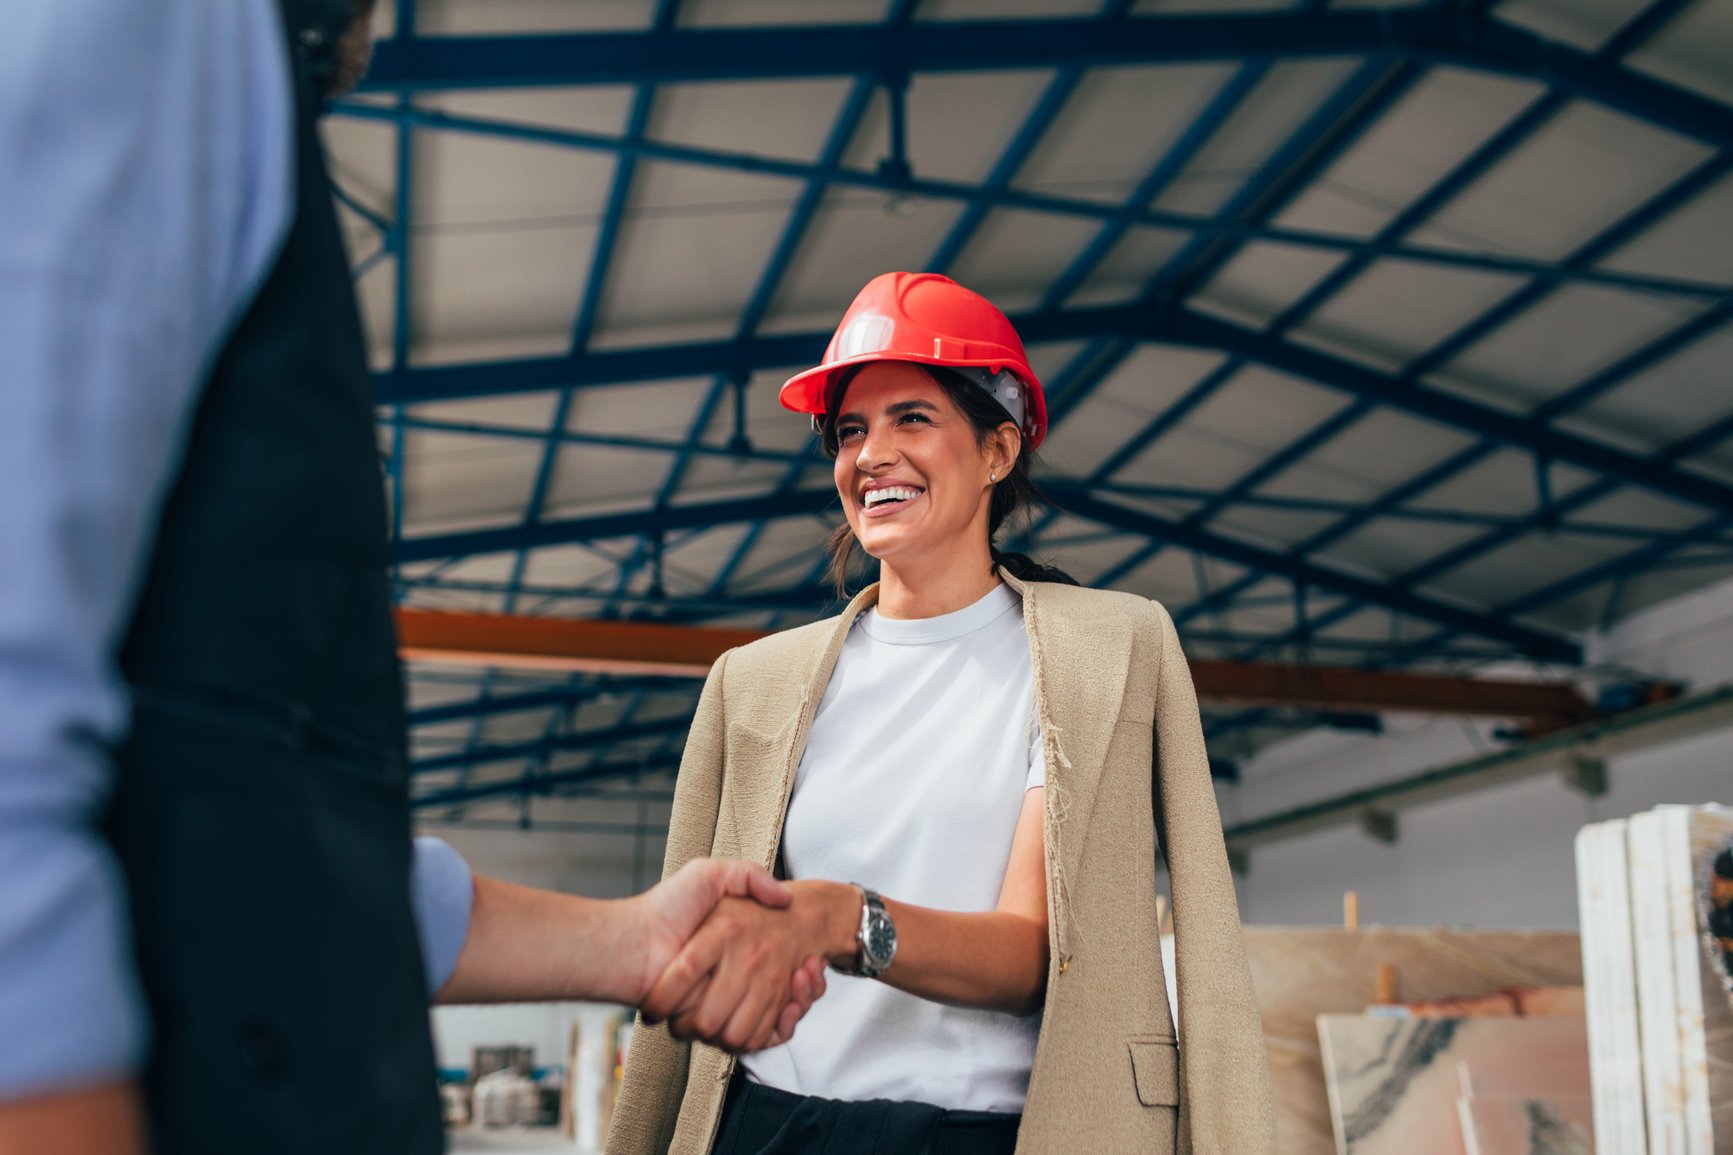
(587, 644)
(1434, 33)
(614, 647)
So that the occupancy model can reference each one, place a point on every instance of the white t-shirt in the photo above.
(911, 784)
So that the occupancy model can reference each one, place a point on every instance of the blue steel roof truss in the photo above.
(1396, 48)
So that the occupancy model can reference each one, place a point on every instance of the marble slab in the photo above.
(1517, 1002)
(1526, 1126)
(1495, 1079)
(1610, 986)
(1393, 1084)
(1302, 972)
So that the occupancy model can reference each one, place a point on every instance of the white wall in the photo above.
(1500, 858)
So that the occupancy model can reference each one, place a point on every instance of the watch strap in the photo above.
(872, 908)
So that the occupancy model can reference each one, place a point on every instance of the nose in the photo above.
(876, 451)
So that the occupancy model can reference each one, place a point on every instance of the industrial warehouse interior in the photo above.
(1387, 345)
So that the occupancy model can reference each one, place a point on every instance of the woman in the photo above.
(972, 738)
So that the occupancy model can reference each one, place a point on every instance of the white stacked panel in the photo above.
(1695, 1121)
(1685, 1023)
(1657, 1001)
(1609, 979)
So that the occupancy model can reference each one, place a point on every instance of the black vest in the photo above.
(261, 812)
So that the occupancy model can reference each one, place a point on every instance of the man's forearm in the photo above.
(528, 945)
(105, 1120)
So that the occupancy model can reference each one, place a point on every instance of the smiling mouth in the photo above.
(890, 496)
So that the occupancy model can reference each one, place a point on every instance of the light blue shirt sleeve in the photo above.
(443, 890)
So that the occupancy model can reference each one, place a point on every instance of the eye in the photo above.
(920, 417)
(847, 433)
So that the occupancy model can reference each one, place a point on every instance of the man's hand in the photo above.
(730, 984)
(675, 910)
(529, 945)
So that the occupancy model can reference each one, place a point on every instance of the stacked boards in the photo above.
(1659, 1002)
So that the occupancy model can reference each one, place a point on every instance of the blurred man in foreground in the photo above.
(216, 934)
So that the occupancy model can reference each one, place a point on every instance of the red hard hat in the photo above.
(926, 319)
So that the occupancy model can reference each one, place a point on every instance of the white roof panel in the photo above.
(1443, 117)
(1693, 50)
(1095, 150)
(1016, 256)
(1373, 455)
(1559, 343)
(1262, 279)
(1394, 311)
(959, 123)
(1571, 178)
(1583, 24)
(1276, 108)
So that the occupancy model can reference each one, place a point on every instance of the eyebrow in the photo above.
(898, 408)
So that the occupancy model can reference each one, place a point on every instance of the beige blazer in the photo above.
(1125, 762)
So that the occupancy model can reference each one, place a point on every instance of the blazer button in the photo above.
(261, 1052)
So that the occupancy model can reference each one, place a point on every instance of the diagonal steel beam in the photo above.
(1174, 325)
(583, 740)
(529, 784)
(626, 523)
(1192, 328)
(1539, 644)
(529, 700)
(1077, 500)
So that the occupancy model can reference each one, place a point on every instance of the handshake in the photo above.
(727, 955)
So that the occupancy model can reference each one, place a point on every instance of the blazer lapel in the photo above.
(1080, 673)
(766, 736)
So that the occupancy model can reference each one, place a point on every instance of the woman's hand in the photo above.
(731, 983)
(671, 912)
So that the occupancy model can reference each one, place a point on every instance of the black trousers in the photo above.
(758, 1120)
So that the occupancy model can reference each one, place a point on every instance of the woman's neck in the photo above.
(911, 591)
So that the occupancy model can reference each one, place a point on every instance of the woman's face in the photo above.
(911, 472)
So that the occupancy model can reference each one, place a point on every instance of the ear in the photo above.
(1003, 447)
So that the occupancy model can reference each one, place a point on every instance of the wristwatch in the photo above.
(876, 941)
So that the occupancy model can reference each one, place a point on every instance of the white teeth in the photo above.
(890, 493)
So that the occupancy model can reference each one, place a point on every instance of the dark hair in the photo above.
(1015, 494)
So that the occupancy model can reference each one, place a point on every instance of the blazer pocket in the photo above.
(1155, 1071)
(752, 781)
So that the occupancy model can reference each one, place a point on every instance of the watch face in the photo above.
(881, 940)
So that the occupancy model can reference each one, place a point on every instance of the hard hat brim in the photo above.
(805, 391)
